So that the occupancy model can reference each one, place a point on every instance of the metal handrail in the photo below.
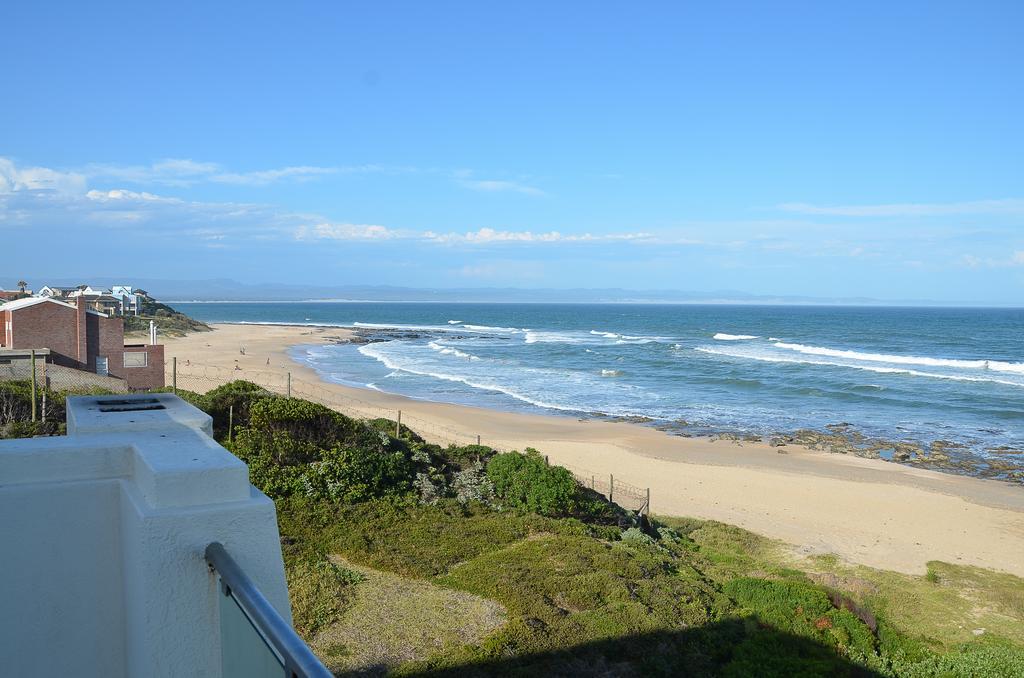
(299, 660)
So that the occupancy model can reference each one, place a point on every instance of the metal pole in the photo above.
(298, 659)
(33, 360)
(611, 488)
(174, 374)
(289, 384)
(44, 401)
(231, 420)
(398, 425)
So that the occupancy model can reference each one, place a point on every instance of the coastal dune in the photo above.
(867, 511)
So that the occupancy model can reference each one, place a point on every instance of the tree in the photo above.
(22, 285)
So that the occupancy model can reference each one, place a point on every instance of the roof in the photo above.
(32, 301)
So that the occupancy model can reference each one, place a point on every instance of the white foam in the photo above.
(488, 328)
(872, 368)
(993, 365)
(448, 350)
(396, 326)
(722, 336)
(454, 322)
(611, 373)
(544, 337)
(370, 351)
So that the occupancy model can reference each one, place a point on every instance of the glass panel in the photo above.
(135, 358)
(244, 653)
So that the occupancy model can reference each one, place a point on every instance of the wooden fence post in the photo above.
(33, 362)
(478, 439)
(398, 425)
(174, 374)
(647, 504)
(231, 420)
(611, 488)
(289, 384)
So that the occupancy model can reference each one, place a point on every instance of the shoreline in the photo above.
(867, 511)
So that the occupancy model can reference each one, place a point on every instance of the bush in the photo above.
(472, 484)
(804, 610)
(307, 422)
(357, 474)
(238, 395)
(319, 591)
(526, 482)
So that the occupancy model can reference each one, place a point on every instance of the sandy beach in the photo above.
(866, 511)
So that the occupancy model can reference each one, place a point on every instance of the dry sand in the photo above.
(867, 511)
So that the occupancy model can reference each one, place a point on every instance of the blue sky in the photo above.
(787, 148)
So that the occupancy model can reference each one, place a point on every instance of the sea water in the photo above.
(919, 374)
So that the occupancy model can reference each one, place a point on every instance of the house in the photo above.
(131, 302)
(81, 338)
(56, 292)
(10, 295)
(99, 301)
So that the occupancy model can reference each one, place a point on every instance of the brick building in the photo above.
(80, 338)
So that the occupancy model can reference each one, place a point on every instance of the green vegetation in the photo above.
(412, 559)
(16, 409)
(170, 322)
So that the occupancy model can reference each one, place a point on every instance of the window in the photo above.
(136, 359)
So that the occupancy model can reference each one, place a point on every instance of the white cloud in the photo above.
(329, 231)
(496, 186)
(13, 179)
(264, 177)
(1015, 259)
(490, 235)
(1007, 206)
(123, 195)
(186, 172)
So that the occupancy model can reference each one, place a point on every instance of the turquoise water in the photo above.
(918, 374)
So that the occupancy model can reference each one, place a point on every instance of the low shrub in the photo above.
(319, 591)
(526, 482)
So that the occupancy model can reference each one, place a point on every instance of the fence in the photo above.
(201, 378)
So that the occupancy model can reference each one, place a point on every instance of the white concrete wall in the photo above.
(102, 535)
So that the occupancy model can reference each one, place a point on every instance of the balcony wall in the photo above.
(103, 534)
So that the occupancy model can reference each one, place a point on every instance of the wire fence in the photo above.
(201, 378)
(55, 377)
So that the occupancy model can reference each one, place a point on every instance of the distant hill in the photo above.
(169, 321)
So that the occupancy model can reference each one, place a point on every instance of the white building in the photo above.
(107, 567)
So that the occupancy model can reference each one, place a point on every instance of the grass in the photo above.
(394, 619)
(574, 599)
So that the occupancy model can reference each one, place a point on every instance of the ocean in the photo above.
(894, 374)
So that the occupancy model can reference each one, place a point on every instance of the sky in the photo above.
(786, 148)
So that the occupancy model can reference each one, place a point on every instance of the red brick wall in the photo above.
(47, 325)
(151, 376)
(110, 343)
(82, 318)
